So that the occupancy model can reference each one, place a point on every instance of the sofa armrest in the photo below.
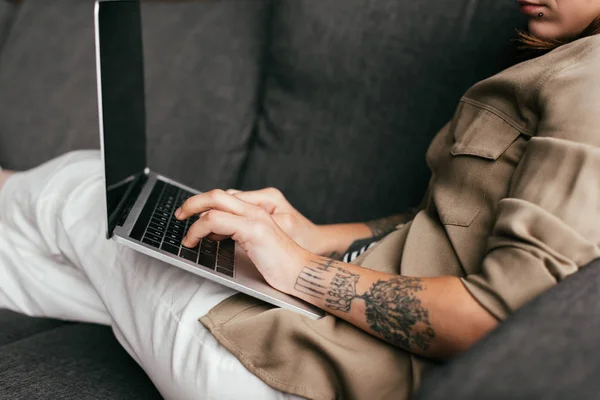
(548, 349)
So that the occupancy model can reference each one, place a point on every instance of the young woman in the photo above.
(512, 208)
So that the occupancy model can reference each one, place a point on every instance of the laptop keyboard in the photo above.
(158, 227)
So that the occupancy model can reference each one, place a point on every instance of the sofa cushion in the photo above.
(548, 349)
(7, 13)
(355, 91)
(76, 361)
(16, 327)
(202, 75)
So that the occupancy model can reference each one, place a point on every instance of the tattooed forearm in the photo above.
(383, 226)
(392, 308)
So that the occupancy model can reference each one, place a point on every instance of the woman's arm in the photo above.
(549, 224)
(433, 317)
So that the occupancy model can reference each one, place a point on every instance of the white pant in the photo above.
(56, 262)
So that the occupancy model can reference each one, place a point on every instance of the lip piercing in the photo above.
(540, 15)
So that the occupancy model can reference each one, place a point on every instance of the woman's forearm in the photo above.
(337, 239)
(433, 317)
(341, 238)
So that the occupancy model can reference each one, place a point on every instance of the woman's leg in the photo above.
(4, 175)
(58, 263)
(35, 278)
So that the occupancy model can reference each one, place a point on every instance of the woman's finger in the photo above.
(233, 191)
(215, 199)
(269, 199)
(213, 222)
(216, 238)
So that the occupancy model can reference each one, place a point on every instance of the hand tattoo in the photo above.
(392, 309)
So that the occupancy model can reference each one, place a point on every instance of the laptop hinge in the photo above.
(119, 216)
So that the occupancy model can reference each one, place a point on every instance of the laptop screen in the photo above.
(120, 74)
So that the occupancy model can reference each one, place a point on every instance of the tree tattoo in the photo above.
(394, 312)
(392, 309)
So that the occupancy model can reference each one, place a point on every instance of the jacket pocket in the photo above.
(479, 137)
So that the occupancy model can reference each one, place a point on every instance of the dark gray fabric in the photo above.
(15, 327)
(203, 62)
(47, 102)
(71, 362)
(203, 84)
(355, 91)
(7, 13)
(547, 350)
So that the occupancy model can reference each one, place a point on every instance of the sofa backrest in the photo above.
(332, 101)
(355, 91)
(203, 68)
(7, 13)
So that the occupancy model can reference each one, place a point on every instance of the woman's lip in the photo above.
(529, 9)
(526, 3)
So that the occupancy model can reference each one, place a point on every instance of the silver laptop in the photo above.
(139, 202)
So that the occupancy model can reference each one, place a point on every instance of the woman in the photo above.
(512, 209)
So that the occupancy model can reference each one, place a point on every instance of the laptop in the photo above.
(140, 202)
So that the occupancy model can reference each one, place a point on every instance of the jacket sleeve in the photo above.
(549, 225)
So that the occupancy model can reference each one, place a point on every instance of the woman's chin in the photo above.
(548, 31)
(542, 30)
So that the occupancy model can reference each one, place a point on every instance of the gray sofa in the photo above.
(332, 101)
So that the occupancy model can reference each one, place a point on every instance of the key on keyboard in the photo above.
(158, 227)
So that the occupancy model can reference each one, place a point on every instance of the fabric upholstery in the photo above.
(76, 361)
(355, 91)
(203, 67)
(14, 327)
(7, 14)
(548, 349)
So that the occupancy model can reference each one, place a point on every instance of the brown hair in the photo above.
(527, 41)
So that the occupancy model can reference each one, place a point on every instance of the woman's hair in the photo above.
(527, 41)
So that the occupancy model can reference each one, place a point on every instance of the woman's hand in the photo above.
(325, 240)
(277, 257)
(291, 221)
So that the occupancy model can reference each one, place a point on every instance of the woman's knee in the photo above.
(4, 176)
(69, 158)
(42, 197)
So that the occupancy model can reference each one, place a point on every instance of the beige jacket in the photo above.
(513, 207)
